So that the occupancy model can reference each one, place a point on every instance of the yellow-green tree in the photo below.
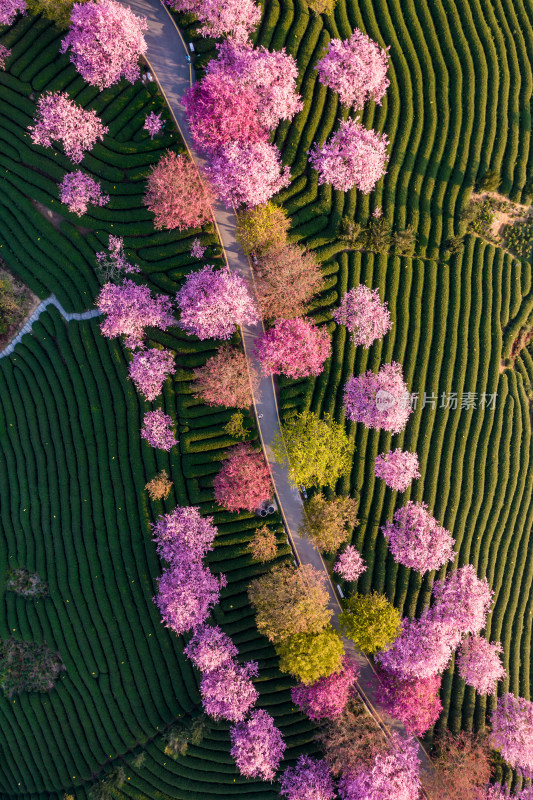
(317, 451)
(329, 523)
(310, 656)
(261, 228)
(263, 545)
(370, 621)
(322, 6)
(56, 10)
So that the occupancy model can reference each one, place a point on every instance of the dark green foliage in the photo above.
(181, 734)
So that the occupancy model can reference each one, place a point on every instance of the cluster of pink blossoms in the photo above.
(479, 664)
(247, 173)
(4, 55)
(365, 316)
(379, 401)
(394, 775)
(355, 68)
(153, 124)
(158, 430)
(210, 648)
(462, 600)
(214, 302)
(310, 779)
(293, 347)
(77, 190)
(235, 18)
(327, 697)
(130, 308)
(350, 564)
(106, 41)
(149, 369)
(197, 250)
(9, 10)
(415, 702)
(244, 480)
(227, 692)
(398, 468)
(113, 263)
(62, 120)
(183, 534)
(416, 539)
(512, 732)
(353, 157)
(257, 746)
(498, 792)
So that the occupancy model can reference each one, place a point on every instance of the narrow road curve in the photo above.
(166, 56)
(50, 301)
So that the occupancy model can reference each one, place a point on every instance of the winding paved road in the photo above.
(167, 58)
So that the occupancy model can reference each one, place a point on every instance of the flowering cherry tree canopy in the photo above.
(77, 190)
(106, 41)
(177, 195)
(308, 780)
(210, 648)
(415, 702)
(130, 308)
(393, 775)
(350, 564)
(235, 18)
(353, 157)
(257, 746)
(187, 592)
(462, 600)
(365, 316)
(197, 250)
(228, 692)
(327, 697)
(9, 10)
(247, 173)
(479, 664)
(416, 539)
(153, 124)
(244, 480)
(294, 347)
(379, 401)
(512, 732)
(225, 379)
(183, 534)
(62, 120)
(214, 302)
(150, 369)
(219, 112)
(112, 264)
(271, 74)
(397, 468)
(158, 430)
(355, 68)
(423, 648)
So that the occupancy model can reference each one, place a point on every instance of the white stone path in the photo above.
(50, 301)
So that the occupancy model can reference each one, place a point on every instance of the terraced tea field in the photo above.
(74, 469)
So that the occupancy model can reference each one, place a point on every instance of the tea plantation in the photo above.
(74, 469)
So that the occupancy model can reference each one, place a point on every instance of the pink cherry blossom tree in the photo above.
(77, 190)
(234, 18)
(228, 692)
(423, 648)
(214, 302)
(512, 732)
(244, 480)
(416, 540)
(183, 535)
(355, 68)
(350, 564)
(153, 124)
(158, 430)
(479, 664)
(271, 74)
(415, 702)
(257, 746)
(397, 468)
(197, 250)
(462, 600)
(112, 263)
(308, 780)
(354, 156)
(379, 401)
(130, 308)
(393, 775)
(293, 347)
(186, 594)
(496, 791)
(327, 697)
(60, 119)
(218, 112)
(149, 370)
(210, 648)
(106, 41)
(9, 10)
(247, 173)
(365, 316)
(4, 55)
(177, 195)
